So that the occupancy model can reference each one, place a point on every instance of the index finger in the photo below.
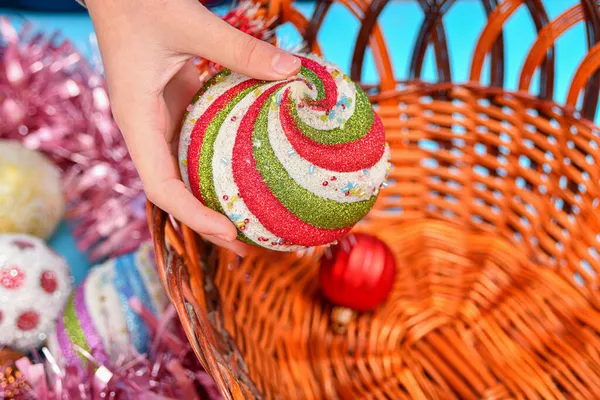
(143, 126)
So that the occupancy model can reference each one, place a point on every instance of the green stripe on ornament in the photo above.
(314, 79)
(205, 170)
(73, 328)
(204, 88)
(357, 126)
(309, 207)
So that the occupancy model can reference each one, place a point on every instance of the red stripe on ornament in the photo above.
(346, 157)
(197, 136)
(258, 197)
(329, 85)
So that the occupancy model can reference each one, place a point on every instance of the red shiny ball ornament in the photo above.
(358, 272)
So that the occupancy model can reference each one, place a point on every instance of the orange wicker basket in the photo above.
(492, 213)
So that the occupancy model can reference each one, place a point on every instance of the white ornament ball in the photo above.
(34, 285)
(31, 197)
(99, 318)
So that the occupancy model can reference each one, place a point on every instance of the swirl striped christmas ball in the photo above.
(292, 163)
(98, 317)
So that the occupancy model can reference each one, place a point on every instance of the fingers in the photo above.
(174, 198)
(141, 45)
(238, 247)
(212, 38)
(142, 118)
(178, 94)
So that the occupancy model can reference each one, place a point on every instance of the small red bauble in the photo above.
(358, 273)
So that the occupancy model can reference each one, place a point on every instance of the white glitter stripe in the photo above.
(201, 105)
(105, 310)
(346, 93)
(311, 177)
(223, 176)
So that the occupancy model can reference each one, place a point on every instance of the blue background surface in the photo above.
(400, 22)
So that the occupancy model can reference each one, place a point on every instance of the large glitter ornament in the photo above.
(31, 198)
(34, 285)
(98, 317)
(292, 163)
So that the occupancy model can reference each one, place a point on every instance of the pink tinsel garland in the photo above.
(170, 371)
(52, 100)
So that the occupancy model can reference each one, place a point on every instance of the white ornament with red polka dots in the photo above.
(34, 286)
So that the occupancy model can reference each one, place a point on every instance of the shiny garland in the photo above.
(53, 101)
(169, 371)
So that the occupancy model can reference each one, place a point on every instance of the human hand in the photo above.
(147, 47)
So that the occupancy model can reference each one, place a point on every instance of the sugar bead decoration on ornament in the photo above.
(293, 163)
(98, 316)
(31, 197)
(356, 275)
(34, 284)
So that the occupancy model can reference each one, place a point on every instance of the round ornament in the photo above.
(294, 163)
(31, 198)
(98, 317)
(34, 284)
(357, 274)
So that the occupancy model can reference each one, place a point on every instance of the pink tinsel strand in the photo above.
(53, 101)
(170, 371)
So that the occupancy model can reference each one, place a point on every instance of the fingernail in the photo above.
(285, 64)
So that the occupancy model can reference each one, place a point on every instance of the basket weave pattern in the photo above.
(492, 213)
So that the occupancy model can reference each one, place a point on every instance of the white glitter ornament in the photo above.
(294, 163)
(34, 285)
(98, 316)
(31, 198)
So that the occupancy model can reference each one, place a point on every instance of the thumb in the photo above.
(214, 39)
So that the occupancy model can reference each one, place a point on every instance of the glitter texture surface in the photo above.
(292, 164)
(205, 171)
(346, 157)
(99, 317)
(33, 279)
(313, 209)
(73, 328)
(87, 326)
(31, 198)
(257, 195)
(201, 132)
